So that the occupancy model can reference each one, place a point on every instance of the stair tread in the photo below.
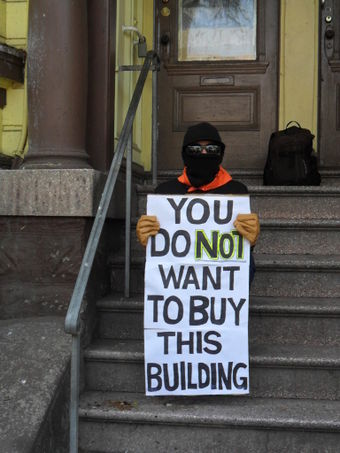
(263, 260)
(279, 305)
(242, 171)
(307, 224)
(296, 305)
(300, 260)
(260, 355)
(215, 411)
(290, 223)
(264, 190)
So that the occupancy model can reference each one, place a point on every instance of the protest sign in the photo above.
(196, 297)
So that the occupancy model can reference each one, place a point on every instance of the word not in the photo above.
(221, 245)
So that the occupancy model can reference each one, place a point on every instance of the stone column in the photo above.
(101, 94)
(57, 84)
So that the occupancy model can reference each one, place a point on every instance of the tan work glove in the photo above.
(147, 225)
(248, 226)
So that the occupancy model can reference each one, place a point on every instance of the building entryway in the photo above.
(219, 63)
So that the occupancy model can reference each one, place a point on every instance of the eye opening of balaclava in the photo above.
(202, 169)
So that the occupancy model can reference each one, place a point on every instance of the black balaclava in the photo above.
(203, 168)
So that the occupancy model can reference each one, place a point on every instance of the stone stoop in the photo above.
(129, 422)
(294, 336)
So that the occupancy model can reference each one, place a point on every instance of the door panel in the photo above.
(329, 112)
(236, 108)
(203, 83)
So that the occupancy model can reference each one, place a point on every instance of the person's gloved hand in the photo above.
(147, 225)
(248, 226)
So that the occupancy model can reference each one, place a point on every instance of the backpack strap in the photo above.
(290, 122)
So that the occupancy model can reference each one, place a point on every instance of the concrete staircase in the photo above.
(294, 332)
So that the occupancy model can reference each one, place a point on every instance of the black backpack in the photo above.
(291, 160)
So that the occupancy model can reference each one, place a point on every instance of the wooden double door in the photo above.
(219, 63)
(329, 84)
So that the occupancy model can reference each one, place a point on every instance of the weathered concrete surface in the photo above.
(64, 192)
(50, 192)
(34, 354)
(137, 424)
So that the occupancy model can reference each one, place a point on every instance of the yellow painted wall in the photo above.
(2, 21)
(137, 13)
(13, 118)
(299, 63)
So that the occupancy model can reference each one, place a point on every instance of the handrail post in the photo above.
(74, 391)
(154, 118)
(128, 177)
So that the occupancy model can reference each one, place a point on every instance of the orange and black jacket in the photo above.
(221, 184)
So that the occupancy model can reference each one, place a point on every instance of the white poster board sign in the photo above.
(196, 297)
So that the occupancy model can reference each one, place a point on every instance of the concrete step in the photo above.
(281, 202)
(297, 275)
(276, 275)
(329, 176)
(282, 236)
(313, 321)
(294, 321)
(134, 423)
(296, 236)
(281, 371)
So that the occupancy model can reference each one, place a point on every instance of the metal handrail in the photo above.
(72, 321)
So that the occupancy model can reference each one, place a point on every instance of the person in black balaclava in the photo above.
(201, 168)
(202, 154)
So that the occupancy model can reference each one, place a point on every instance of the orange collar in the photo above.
(220, 179)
